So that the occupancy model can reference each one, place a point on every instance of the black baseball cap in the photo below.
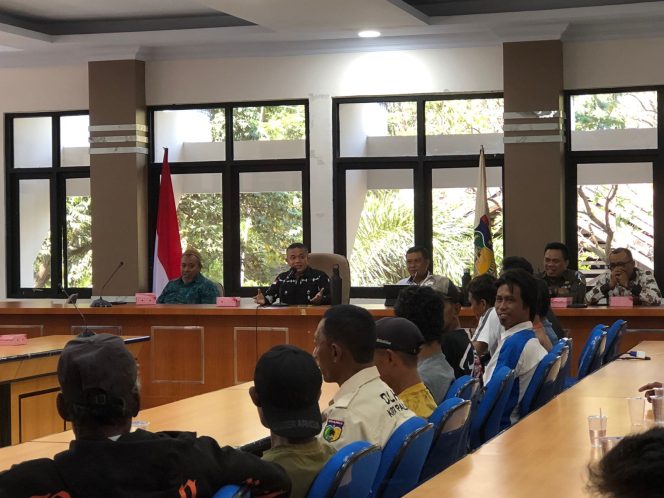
(98, 371)
(398, 334)
(288, 383)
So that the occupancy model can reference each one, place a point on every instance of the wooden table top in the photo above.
(547, 453)
(228, 415)
(46, 346)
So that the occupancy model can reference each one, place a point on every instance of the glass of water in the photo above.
(597, 429)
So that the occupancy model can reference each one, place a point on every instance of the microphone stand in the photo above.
(101, 302)
(71, 299)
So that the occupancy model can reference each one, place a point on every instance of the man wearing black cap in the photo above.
(98, 377)
(398, 342)
(286, 390)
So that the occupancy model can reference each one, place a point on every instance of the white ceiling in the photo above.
(30, 30)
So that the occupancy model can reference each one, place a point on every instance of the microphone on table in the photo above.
(101, 302)
(71, 299)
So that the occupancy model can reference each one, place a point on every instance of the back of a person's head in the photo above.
(526, 284)
(514, 262)
(98, 379)
(402, 337)
(424, 307)
(288, 383)
(483, 287)
(634, 468)
(354, 328)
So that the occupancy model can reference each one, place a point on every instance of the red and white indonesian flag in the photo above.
(167, 249)
(484, 258)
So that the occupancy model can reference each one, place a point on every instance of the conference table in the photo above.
(547, 453)
(29, 386)
(196, 349)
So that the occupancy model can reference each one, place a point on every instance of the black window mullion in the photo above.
(658, 193)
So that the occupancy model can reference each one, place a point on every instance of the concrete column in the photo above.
(118, 175)
(534, 148)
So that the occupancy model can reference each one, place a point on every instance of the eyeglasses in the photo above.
(620, 264)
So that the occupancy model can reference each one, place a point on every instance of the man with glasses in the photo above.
(625, 279)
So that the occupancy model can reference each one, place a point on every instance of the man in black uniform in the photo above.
(98, 377)
(562, 281)
(299, 285)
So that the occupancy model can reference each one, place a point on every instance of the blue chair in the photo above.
(450, 440)
(232, 491)
(613, 339)
(564, 349)
(349, 473)
(485, 424)
(542, 384)
(403, 458)
(464, 387)
(591, 356)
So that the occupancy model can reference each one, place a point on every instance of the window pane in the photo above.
(611, 121)
(270, 220)
(463, 126)
(615, 209)
(79, 233)
(190, 135)
(379, 225)
(200, 215)
(32, 143)
(378, 129)
(269, 132)
(74, 145)
(35, 233)
(453, 210)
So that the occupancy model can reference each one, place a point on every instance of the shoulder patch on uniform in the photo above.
(332, 430)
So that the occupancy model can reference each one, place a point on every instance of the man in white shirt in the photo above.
(482, 297)
(418, 261)
(518, 348)
(364, 408)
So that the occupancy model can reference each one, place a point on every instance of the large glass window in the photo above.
(615, 209)
(396, 188)
(49, 219)
(463, 126)
(380, 225)
(453, 212)
(270, 220)
(378, 129)
(241, 203)
(614, 121)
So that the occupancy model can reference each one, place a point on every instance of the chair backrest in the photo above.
(486, 421)
(590, 351)
(464, 387)
(232, 491)
(324, 261)
(613, 339)
(564, 348)
(403, 458)
(350, 472)
(540, 390)
(450, 439)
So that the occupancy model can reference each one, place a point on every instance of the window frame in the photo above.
(230, 168)
(654, 156)
(57, 176)
(421, 165)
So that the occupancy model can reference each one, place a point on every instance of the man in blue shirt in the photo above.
(191, 287)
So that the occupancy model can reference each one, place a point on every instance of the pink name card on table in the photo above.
(228, 302)
(560, 302)
(621, 301)
(13, 339)
(146, 298)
